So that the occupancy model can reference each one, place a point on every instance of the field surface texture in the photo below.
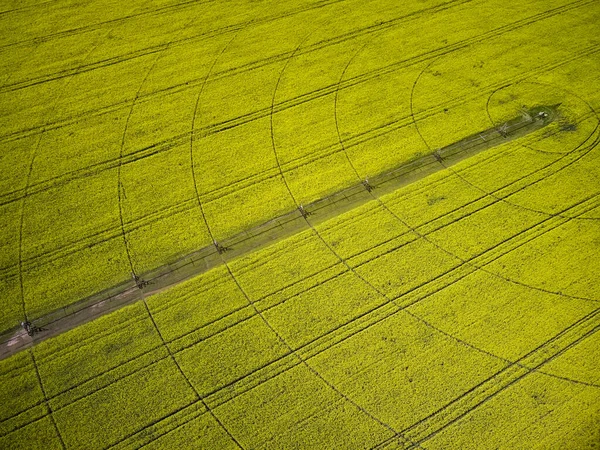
(453, 305)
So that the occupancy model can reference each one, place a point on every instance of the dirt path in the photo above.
(64, 319)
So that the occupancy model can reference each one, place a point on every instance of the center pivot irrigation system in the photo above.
(30, 331)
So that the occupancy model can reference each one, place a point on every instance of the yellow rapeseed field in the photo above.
(459, 310)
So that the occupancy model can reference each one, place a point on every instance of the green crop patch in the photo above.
(515, 318)
(252, 338)
(40, 433)
(22, 398)
(279, 266)
(196, 304)
(544, 396)
(396, 355)
(148, 402)
(318, 311)
(205, 429)
(313, 405)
